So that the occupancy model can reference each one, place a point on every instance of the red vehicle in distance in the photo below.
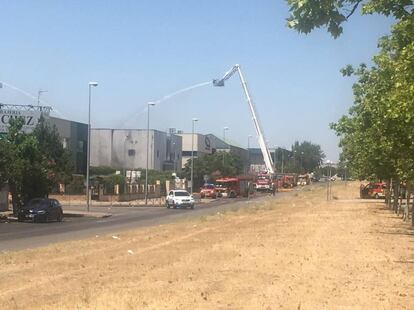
(208, 190)
(373, 190)
(232, 187)
(264, 182)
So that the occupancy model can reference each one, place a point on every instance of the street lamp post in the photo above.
(88, 156)
(194, 120)
(275, 161)
(40, 91)
(224, 139)
(248, 141)
(224, 133)
(328, 184)
(149, 104)
(248, 152)
(301, 162)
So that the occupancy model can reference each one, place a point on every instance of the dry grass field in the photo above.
(292, 253)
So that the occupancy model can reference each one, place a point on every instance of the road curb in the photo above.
(86, 214)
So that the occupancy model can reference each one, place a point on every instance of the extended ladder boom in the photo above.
(263, 147)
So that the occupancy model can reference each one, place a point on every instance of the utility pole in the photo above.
(192, 154)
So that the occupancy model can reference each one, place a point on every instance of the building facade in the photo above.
(74, 136)
(223, 146)
(127, 149)
(202, 146)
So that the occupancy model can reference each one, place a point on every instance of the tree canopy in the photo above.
(306, 15)
(377, 135)
(219, 164)
(32, 164)
(307, 156)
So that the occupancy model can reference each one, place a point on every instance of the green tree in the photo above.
(219, 164)
(30, 163)
(307, 156)
(57, 159)
(306, 15)
(377, 136)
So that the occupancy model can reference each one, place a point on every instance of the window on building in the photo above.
(80, 146)
(131, 152)
(65, 143)
(158, 153)
(188, 153)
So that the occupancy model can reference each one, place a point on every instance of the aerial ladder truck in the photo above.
(264, 179)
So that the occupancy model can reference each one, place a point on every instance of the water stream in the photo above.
(143, 108)
(34, 98)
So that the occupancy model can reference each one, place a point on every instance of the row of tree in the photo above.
(377, 136)
(304, 157)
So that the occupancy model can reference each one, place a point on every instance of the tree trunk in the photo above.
(407, 211)
(396, 191)
(15, 200)
(411, 188)
(388, 193)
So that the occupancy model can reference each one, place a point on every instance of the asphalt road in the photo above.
(16, 236)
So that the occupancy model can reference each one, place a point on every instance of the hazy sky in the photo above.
(143, 50)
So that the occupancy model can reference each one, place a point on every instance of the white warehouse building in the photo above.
(127, 149)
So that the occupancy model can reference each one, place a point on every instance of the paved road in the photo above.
(15, 236)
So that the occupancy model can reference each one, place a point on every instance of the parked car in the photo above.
(208, 190)
(179, 199)
(373, 190)
(41, 209)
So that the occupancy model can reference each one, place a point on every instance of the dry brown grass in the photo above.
(293, 253)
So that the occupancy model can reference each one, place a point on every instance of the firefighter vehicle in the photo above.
(264, 182)
(232, 187)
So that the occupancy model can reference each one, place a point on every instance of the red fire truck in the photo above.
(232, 187)
(264, 182)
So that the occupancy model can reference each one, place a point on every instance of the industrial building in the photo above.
(74, 135)
(200, 145)
(223, 146)
(127, 149)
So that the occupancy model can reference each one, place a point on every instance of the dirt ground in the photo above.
(292, 253)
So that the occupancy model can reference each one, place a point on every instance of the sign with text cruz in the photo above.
(31, 118)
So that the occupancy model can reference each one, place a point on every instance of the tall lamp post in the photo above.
(40, 91)
(88, 156)
(224, 133)
(275, 161)
(194, 120)
(248, 152)
(328, 184)
(301, 161)
(149, 104)
(224, 139)
(248, 141)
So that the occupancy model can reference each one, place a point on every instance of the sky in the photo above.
(140, 51)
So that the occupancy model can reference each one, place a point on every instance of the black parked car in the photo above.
(41, 209)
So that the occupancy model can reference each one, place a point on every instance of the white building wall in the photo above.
(127, 148)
